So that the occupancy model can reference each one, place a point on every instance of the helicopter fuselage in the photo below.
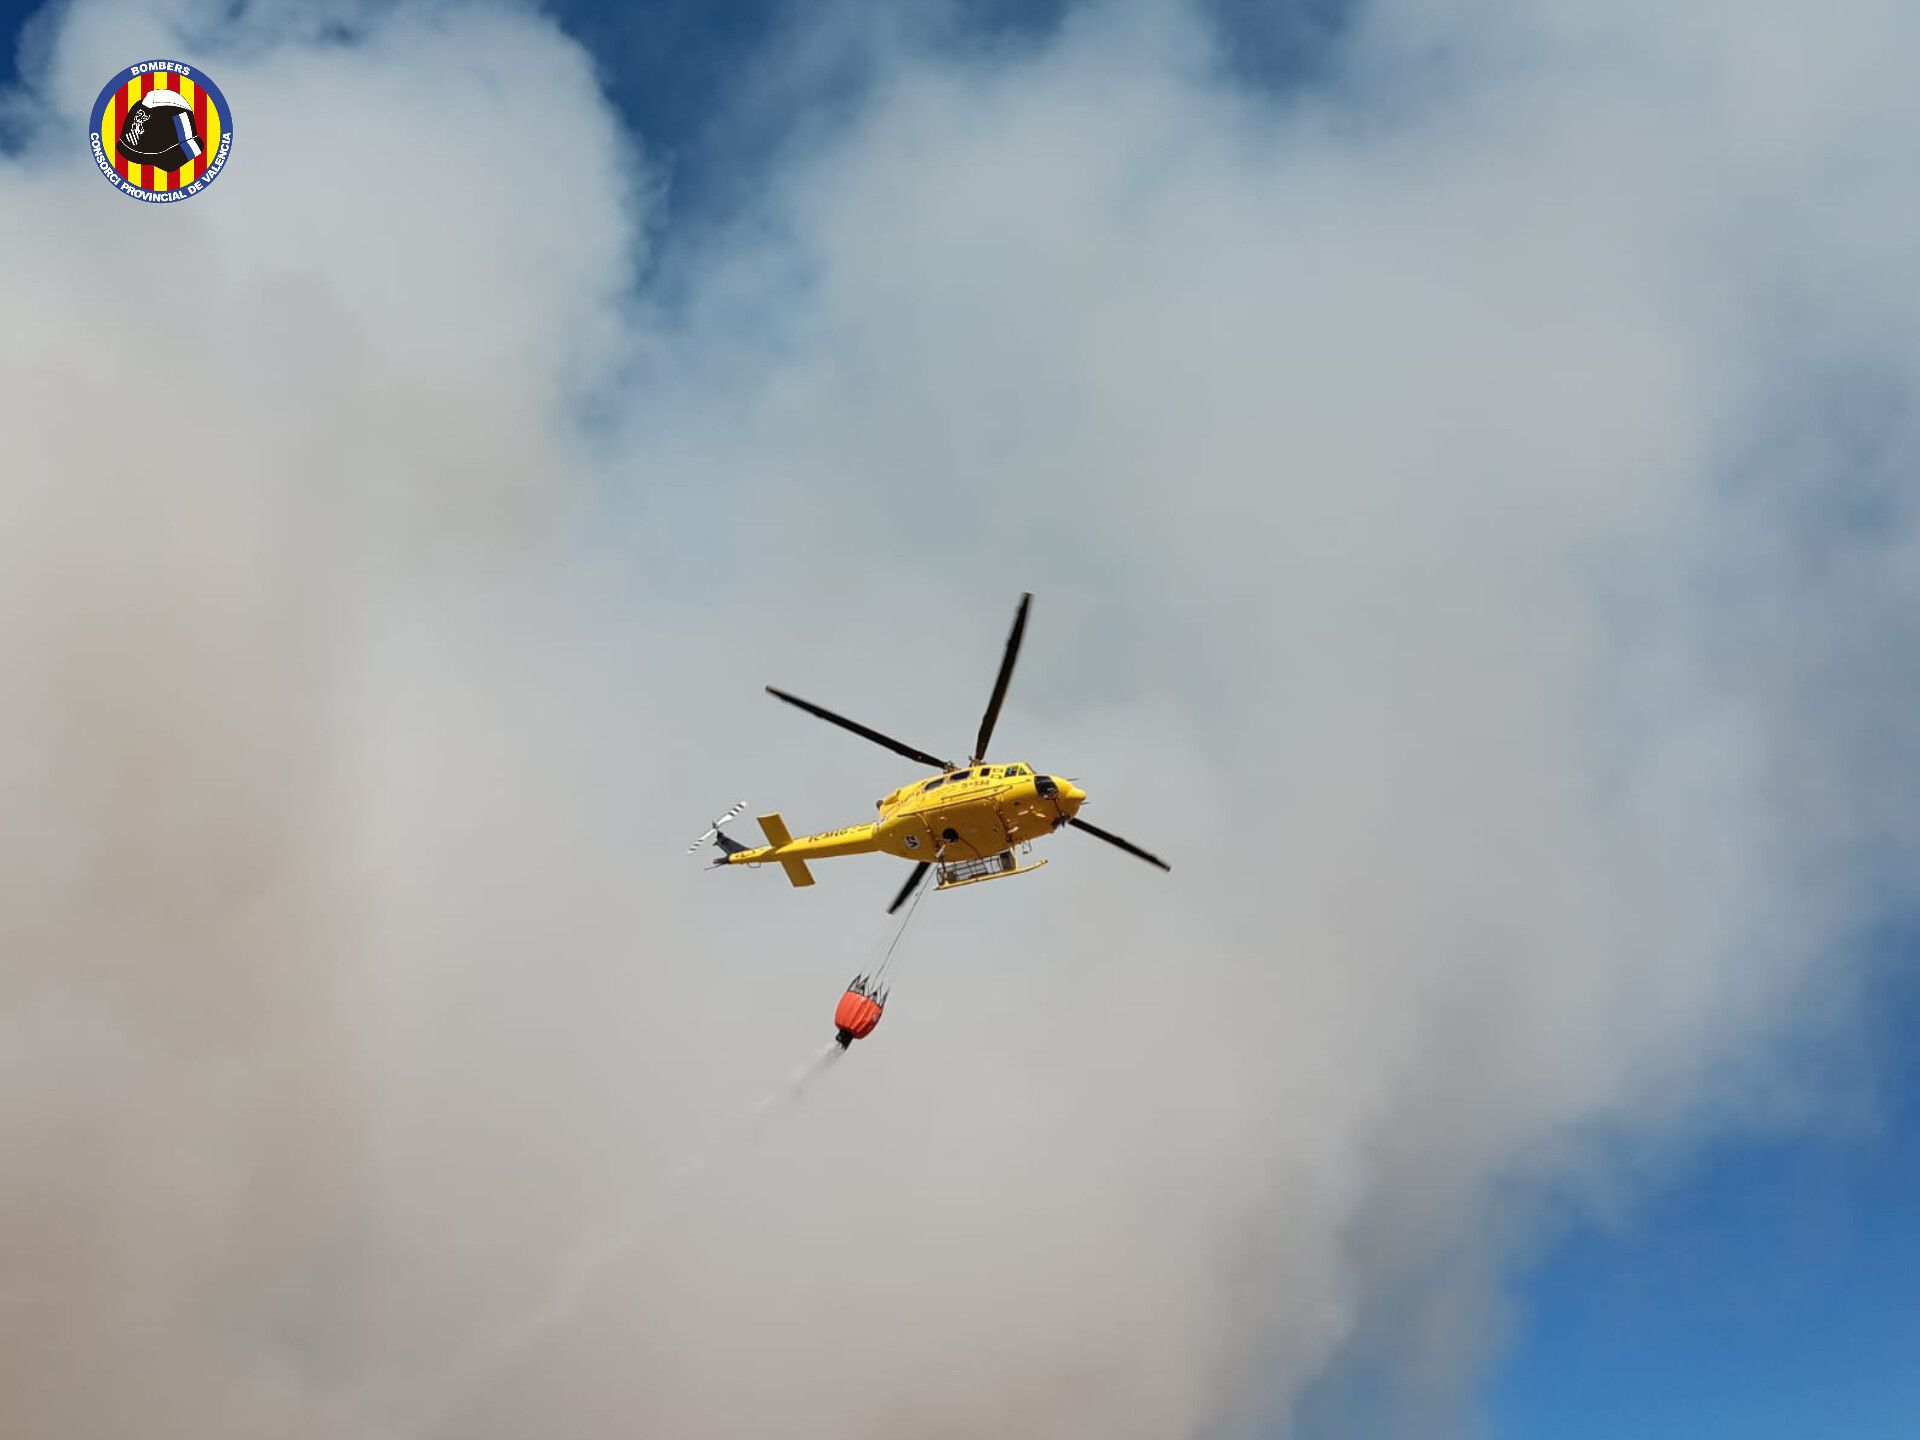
(965, 814)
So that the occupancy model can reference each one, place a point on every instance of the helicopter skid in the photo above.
(972, 872)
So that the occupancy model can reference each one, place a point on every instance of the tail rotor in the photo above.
(714, 835)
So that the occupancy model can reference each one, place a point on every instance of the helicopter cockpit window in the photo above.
(931, 784)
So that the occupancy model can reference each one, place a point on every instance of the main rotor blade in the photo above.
(898, 747)
(1000, 680)
(1113, 839)
(913, 883)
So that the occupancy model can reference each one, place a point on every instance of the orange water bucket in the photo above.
(854, 1017)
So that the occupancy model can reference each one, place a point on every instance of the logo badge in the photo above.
(161, 131)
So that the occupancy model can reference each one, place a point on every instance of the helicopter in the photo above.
(964, 822)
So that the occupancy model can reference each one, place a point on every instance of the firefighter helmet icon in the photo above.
(161, 131)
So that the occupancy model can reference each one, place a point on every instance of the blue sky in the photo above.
(1769, 1290)
(684, 72)
(1768, 1287)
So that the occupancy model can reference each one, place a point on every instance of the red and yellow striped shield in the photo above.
(166, 145)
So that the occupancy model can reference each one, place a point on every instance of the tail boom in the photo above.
(792, 854)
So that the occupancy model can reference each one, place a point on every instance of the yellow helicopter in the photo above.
(965, 821)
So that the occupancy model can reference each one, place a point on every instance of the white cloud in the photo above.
(1434, 487)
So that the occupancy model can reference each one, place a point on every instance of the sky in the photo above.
(1766, 1290)
(1463, 455)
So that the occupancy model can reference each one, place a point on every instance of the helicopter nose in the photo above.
(1070, 796)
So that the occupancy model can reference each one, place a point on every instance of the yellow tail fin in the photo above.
(777, 835)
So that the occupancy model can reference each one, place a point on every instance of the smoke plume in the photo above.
(1468, 495)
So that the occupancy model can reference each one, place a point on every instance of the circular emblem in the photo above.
(161, 131)
(913, 841)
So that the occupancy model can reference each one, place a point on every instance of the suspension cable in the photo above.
(913, 908)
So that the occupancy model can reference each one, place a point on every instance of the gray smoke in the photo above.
(1469, 503)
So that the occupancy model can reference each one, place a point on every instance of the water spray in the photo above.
(587, 1262)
